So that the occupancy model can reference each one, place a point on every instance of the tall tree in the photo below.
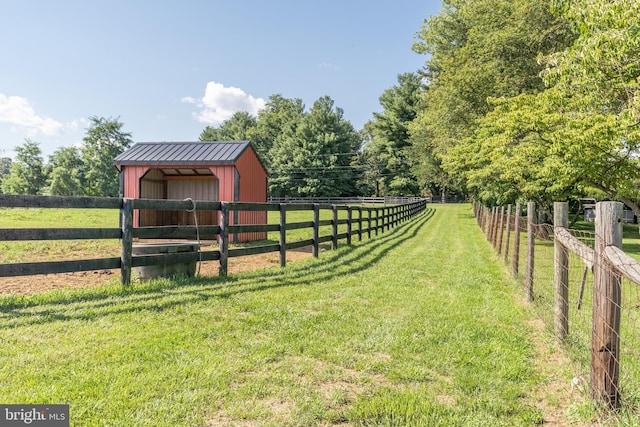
(280, 116)
(233, 129)
(584, 130)
(391, 144)
(480, 49)
(26, 174)
(314, 159)
(5, 167)
(104, 140)
(66, 172)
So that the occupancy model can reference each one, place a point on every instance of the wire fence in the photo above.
(584, 287)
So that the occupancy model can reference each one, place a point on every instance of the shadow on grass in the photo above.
(92, 303)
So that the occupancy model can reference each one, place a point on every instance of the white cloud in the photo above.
(18, 112)
(219, 103)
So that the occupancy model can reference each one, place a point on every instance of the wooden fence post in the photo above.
(349, 225)
(359, 223)
(224, 238)
(490, 225)
(334, 228)
(126, 219)
(516, 241)
(605, 339)
(283, 234)
(531, 240)
(316, 230)
(561, 274)
(369, 223)
(501, 230)
(506, 243)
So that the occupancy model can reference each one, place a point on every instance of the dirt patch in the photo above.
(29, 285)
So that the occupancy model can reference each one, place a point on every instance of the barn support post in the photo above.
(605, 338)
(349, 224)
(560, 273)
(283, 234)
(224, 238)
(531, 239)
(515, 265)
(126, 219)
(316, 230)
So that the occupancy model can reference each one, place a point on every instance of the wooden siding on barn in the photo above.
(253, 188)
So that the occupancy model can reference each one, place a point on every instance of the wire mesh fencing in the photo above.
(584, 287)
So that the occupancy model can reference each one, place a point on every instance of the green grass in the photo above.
(577, 346)
(416, 327)
(13, 252)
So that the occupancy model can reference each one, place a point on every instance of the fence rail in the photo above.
(361, 221)
(594, 314)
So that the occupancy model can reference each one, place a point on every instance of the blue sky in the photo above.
(168, 69)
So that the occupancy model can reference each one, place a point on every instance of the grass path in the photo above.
(416, 327)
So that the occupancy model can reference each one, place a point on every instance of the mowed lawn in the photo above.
(419, 326)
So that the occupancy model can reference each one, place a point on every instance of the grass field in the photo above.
(419, 326)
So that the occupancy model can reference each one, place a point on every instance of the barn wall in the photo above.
(253, 188)
(132, 175)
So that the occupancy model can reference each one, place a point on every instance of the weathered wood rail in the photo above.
(360, 221)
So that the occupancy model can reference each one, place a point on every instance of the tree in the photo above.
(66, 172)
(104, 140)
(581, 133)
(314, 158)
(5, 167)
(390, 144)
(279, 116)
(233, 129)
(26, 174)
(480, 49)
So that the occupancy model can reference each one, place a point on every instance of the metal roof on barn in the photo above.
(182, 153)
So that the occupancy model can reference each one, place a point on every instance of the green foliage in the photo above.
(314, 157)
(104, 141)
(26, 174)
(480, 49)
(581, 132)
(387, 159)
(5, 167)
(66, 172)
(234, 129)
(279, 117)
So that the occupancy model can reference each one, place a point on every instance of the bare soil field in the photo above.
(29, 285)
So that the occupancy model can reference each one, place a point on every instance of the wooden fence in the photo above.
(570, 255)
(361, 220)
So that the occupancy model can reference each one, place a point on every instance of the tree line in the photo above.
(531, 100)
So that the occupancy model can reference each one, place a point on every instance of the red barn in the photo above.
(214, 171)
